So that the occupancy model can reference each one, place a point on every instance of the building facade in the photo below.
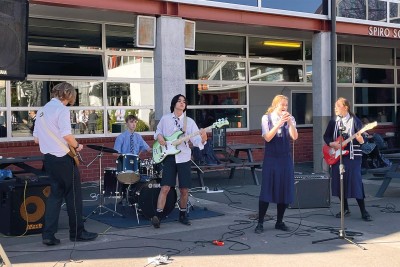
(230, 58)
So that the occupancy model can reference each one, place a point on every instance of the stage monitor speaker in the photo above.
(23, 210)
(13, 39)
(311, 191)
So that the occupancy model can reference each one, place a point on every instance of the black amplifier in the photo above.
(22, 206)
(311, 191)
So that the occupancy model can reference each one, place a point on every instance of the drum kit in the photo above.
(140, 177)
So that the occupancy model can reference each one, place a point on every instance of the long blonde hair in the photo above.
(275, 102)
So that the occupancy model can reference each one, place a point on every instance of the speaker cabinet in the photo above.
(22, 208)
(311, 191)
(13, 39)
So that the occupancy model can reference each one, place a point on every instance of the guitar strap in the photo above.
(66, 149)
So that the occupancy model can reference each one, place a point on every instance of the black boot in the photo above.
(156, 220)
(183, 217)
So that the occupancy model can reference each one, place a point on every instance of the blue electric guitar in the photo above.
(160, 152)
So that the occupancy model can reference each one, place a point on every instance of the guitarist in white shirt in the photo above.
(352, 179)
(178, 165)
(53, 134)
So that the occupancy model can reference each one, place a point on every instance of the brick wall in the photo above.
(303, 149)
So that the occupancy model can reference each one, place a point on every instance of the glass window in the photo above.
(216, 95)
(308, 6)
(379, 114)
(64, 64)
(372, 75)
(70, 34)
(352, 9)
(302, 107)
(373, 55)
(87, 121)
(145, 123)
(344, 53)
(276, 72)
(275, 49)
(394, 13)
(344, 74)
(120, 38)
(309, 73)
(37, 93)
(22, 122)
(308, 50)
(237, 117)
(238, 2)
(130, 66)
(130, 94)
(2, 93)
(220, 44)
(3, 123)
(215, 70)
(373, 95)
(377, 10)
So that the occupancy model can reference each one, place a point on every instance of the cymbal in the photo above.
(102, 148)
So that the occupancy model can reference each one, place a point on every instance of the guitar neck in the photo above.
(187, 137)
(348, 140)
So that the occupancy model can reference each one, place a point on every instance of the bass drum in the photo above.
(145, 195)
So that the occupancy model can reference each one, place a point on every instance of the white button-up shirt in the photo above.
(168, 126)
(56, 120)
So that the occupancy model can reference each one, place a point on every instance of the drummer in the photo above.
(130, 142)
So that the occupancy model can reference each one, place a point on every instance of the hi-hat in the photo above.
(102, 148)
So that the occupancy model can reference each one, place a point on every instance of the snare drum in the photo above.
(145, 195)
(128, 169)
(110, 181)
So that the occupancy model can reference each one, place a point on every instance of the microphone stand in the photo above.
(342, 233)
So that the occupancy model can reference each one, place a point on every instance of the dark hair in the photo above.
(175, 100)
(131, 117)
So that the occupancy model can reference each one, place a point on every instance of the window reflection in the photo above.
(373, 95)
(130, 94)
(307, 6)
(372, 75)
(216, 95)
(3, 123)
(130, 66)
(276, 72)
(23, 122)
(237, 117)
(275, 49)
(302, 107)
(2, 93)
(215, 70)
(145, 123)
(88, 121)
(379, 114)
(344, 74)
(37, 93)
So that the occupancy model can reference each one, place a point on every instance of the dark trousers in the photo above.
(65, 185)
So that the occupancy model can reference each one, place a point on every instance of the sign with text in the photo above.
(383, 32)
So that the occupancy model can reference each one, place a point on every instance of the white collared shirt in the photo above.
(56, 120)
(167, 127)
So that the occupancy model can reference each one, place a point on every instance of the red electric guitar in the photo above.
(331, 155)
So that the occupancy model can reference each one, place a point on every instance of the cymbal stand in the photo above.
(101, 193)
(342, 233)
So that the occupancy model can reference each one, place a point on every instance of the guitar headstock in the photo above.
(220, 122)
(370, 126)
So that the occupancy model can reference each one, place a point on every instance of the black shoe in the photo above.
(84, 237)
(366, 217)
(259, 228)
(155, 221)
(346, 214)
(51, 241)
(281, 226)
(184, 220)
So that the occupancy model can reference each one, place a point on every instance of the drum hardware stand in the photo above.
(101, 193)
(342, 232)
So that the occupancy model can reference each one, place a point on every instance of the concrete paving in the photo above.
(375, 243)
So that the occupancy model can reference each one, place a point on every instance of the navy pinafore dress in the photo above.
(278, 172)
